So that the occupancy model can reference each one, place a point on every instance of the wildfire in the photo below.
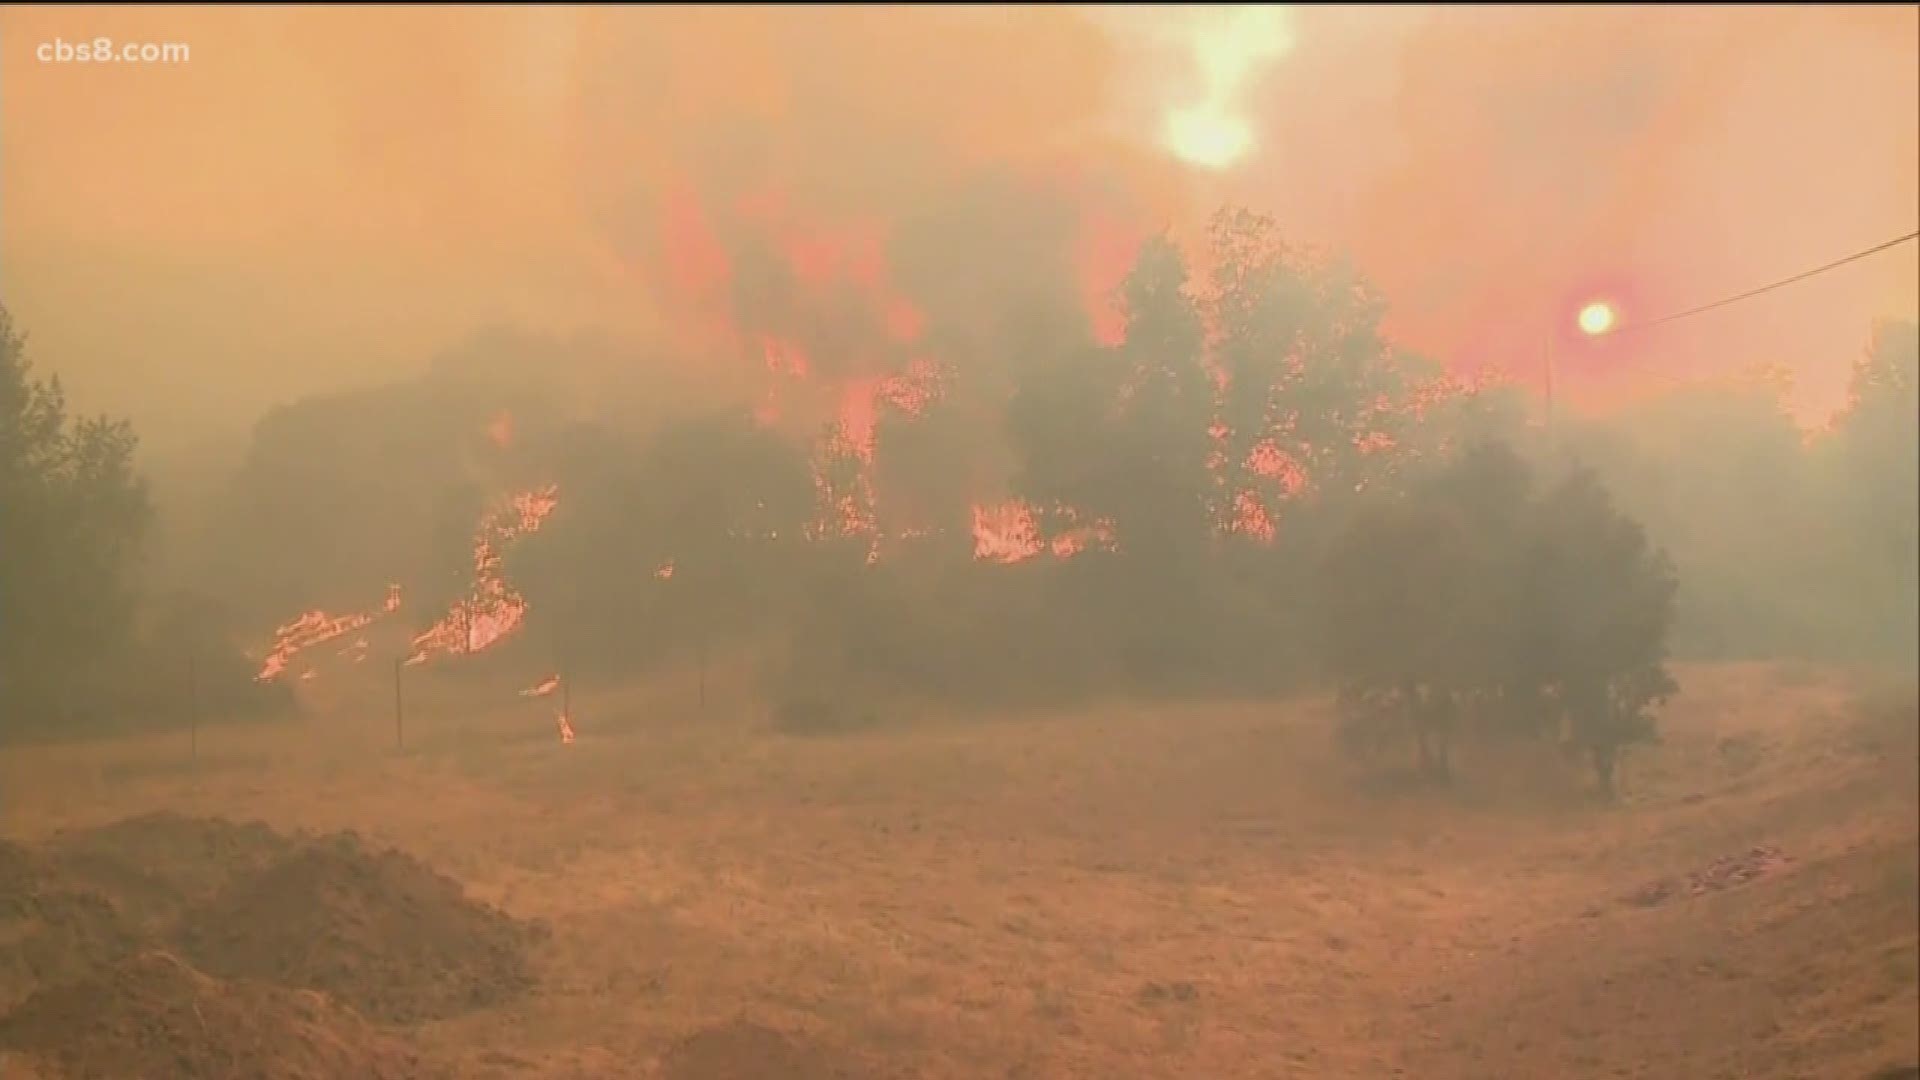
(1105, 254)
(1010, 532)
(566, 730)
(805, 266)
(542, 688)
(493, 608)
(1250, 517)
(317, 628)
(1005, 533)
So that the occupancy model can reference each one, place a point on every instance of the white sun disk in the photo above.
(1228, 48)
(1207, 138)
(1597, 318)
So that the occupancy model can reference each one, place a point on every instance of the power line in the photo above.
(1782, 283)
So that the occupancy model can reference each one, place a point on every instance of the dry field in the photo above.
(1131, 891)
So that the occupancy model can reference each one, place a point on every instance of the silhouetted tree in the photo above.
(1876, 454)
(1392, 590)
(1467, 595)
(73, 513)
(1599, 603)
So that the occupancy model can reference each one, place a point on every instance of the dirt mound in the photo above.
(50, 931)
(151, 1015)
(746, 1051)
(48, 936)
(157, 865)
(1722, 873)
(19, 870)
(375, 929)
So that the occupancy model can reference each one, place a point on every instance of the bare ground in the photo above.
(1132, 891)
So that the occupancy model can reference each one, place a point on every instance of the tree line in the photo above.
(1292, 503)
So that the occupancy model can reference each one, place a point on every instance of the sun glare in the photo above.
(1597, 317)
(1207, 138)
(1228, 48)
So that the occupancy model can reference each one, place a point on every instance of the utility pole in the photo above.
(1546, 356)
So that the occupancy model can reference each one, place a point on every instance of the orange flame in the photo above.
(566, 731)
(665, 571)
(317, 628)
(493, 608)
(1009, 532)
(542, 688)
(1005, 533)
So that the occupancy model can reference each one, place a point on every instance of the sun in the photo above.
(1597, 317)
(1207, 138)
(1229, 48)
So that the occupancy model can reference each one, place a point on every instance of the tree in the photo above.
(1599, 605)
(1466, 595)
(683, 538)
(1391, 589)
(1875, 458)
(1119, 436)
(1419, 602)
(73, 515)
(1304, 367)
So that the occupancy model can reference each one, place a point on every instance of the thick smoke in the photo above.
(324, 198)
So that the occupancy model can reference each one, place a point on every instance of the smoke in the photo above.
(324, 198)
(1496, 168)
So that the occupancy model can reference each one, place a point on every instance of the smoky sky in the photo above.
(325, 198)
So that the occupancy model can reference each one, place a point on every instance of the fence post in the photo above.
(399, 707)
(193, 710)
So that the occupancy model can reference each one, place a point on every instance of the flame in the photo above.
(566, 730)
(1106, 252)
(846, 495)
(696, 259)
(1250, 517)
(317, 628)
(840, 322)
(1005, 533)
(542, 688)
(1009, 532)
(493, 608)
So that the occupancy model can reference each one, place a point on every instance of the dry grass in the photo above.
(1128, 891)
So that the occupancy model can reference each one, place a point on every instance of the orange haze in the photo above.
(323, 197)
